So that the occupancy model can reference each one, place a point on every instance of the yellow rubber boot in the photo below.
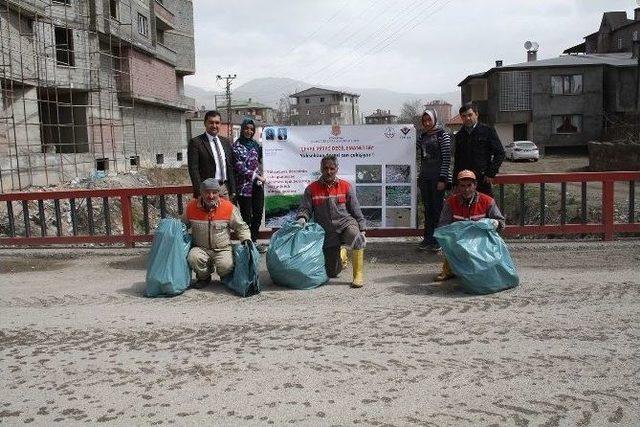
(358, 268)
(446, 272)
(344, 257)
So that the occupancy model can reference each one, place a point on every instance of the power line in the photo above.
(228, 79)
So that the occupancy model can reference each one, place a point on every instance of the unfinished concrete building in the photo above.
(92, 85)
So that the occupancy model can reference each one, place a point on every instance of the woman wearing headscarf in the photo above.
(434, 148)
(249, 180)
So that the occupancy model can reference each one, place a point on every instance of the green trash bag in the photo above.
(245, 279)
(295, 258)
(478, 256)
(168, 273)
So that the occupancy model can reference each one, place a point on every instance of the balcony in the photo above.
(28, 7)
(165, 19)
(165, 54)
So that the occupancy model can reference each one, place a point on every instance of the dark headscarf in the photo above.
(249, 143)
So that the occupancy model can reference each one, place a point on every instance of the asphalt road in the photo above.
(79, 344)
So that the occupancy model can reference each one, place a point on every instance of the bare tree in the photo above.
(282, 114)
(411, 112)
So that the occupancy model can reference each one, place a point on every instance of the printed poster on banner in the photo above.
(379, 160)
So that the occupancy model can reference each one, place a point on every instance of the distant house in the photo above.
(564, 101)
(454, 124)
(380, 117)
(317, 106)
(261, 114)
(442, 109)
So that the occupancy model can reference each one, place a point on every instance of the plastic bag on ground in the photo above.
(168, 273)
(478, 256)
(245, 279)
(295, 258)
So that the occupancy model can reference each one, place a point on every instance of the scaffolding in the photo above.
(65, 78)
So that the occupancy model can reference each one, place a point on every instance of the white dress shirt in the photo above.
(218, 157)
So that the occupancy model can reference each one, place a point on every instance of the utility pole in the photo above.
(228, 80)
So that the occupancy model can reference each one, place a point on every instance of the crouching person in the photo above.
(211, 219)
(467, 204)
(332, 203)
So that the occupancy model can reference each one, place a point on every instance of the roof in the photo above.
(616, 19)
(321, 91)
(621, 59)
(455, 120)
(579, 48)
(436, 102)
(246, 103)
(381, 113)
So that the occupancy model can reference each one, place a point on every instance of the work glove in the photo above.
(246, 242)
(360, 241)
(301, 221)
(495, 223)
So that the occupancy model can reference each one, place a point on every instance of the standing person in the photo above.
(249, 180)
(332, 203)
(434, 148)
(477, 148)
(210, 156)
(467, 204)
(211, 219)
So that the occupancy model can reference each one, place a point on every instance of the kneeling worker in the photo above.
(332, 203)
(467, 204)
(211, 219)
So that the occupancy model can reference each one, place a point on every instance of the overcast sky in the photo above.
(414, 46)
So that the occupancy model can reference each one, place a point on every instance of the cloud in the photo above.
(402, 45)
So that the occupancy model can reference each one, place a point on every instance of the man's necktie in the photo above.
(223, 172)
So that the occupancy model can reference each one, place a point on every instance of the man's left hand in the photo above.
(246, 242)
(495, 223)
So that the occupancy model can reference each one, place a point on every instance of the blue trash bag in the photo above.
(245, 279)
(478, 256)
(168, 273)
(295, 258)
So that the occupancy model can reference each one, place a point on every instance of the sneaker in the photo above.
(424, 245)
(443, 277)
(435, 248)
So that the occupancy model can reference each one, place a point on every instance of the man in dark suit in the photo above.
(210, 156)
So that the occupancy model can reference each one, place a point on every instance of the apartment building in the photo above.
(92, 85)
(317, 106)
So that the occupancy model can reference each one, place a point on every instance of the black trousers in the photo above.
(432, 199)
(251, 209)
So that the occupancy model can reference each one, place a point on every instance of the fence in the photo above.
(127, 216)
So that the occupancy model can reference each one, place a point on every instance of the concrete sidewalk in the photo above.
(79, 343)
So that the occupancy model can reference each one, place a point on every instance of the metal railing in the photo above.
(87, 216)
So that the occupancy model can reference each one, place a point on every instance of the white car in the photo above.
(522, 150)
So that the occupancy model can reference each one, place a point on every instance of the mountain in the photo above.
(269, 90)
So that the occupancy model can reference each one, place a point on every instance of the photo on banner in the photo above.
(378, 160)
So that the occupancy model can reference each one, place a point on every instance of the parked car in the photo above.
(522, 150)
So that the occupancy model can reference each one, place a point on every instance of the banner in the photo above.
(379, 160)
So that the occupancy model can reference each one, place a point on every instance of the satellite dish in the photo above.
(528, 44)
(535, 45)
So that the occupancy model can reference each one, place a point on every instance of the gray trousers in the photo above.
(332, 261)
(205, 262)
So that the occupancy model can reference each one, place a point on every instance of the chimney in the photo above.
(249, 99)
(499, 63)
(532, 55)
(636, 14)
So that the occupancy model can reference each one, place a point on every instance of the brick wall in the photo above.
(151, 78)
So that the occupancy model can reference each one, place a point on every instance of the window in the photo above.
(113, 8)
(306, 100)
(566, 85)
(567, 124)
(179, 156)
(322, 111)
(619, 42)
(159, 36)
(345, 99)
(143, 25)
(515, 91)
(321, 99)
(64, 46)
(65, 2)
(308, 112)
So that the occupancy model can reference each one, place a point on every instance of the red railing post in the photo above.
(607, 209)
(127, 221)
